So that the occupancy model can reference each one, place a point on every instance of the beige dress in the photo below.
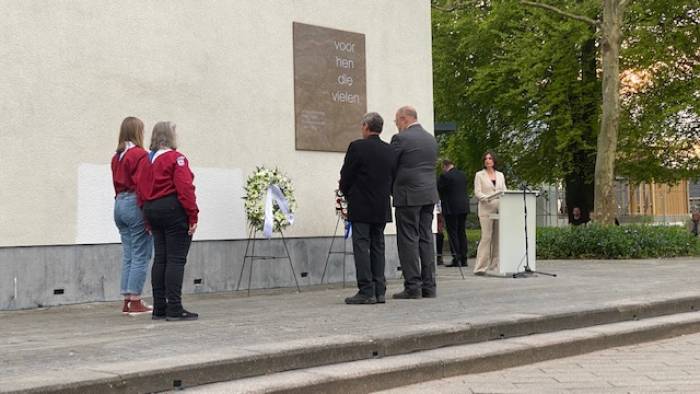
(487, 253)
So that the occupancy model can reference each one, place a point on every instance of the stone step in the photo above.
(383, 373)
(225, 364)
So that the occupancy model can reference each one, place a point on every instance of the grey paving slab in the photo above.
(431, 365)
(84, 336)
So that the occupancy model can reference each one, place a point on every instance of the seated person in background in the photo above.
(577, 219)
(694, 223)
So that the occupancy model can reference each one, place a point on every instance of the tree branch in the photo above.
(457, 6)
(554, 9)
(624, 3)
(451, 9)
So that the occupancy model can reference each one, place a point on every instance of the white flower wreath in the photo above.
(256, 190)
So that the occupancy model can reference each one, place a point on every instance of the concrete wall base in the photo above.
(39, 276)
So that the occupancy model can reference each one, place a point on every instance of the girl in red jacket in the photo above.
(171, 210)
(127, 164)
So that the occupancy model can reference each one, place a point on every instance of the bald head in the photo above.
(405, 116)
(409, 112)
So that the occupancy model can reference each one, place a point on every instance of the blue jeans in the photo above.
(136, 242)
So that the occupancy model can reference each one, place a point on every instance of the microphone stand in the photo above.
(528, 271)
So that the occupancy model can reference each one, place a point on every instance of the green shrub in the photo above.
(472, 240)
(472, 221)
(615, 242)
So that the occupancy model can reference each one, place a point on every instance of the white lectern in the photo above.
(511, 230)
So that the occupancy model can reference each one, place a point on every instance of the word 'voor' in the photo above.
(345, 46)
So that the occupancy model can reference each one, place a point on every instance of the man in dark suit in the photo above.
(415, 195)
(452, 187)
(366, 179)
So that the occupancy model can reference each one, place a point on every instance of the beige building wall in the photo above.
(222, 70)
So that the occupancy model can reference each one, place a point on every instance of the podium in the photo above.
(511, 230)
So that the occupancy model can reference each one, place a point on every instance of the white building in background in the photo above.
(224, 72)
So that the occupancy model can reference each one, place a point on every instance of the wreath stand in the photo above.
(344, 252)
(252, 257)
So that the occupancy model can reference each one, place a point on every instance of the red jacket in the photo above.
(126, 169)
(170, 173)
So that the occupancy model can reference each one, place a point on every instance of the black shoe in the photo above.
(360, 299)
(429, 294)
(381, 299)
(439, 262)
(182, 316)
(158, 314)
(404, 295)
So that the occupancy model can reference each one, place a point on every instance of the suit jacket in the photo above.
(414, 176)
(366, 179)
(483, 187)
(452, 187)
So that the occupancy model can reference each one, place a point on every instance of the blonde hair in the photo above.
(163, 136)
(131, 130)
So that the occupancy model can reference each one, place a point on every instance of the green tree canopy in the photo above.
(526, 82)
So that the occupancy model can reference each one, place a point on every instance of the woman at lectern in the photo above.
(488, 183)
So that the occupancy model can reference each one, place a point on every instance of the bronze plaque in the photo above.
(330, 87)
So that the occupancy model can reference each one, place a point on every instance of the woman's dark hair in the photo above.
(493, 157)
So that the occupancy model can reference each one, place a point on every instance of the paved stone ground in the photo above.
(95, 335)
(671, 365)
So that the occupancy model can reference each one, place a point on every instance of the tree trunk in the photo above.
(611, 36)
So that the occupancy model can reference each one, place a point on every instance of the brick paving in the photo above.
(671, 365)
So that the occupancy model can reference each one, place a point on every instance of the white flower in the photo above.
(255, 192)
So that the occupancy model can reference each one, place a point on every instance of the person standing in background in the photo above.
(694, 223)
(578, 219)
(137, 245)
(452, 187)
(171, 210)
(415, 195)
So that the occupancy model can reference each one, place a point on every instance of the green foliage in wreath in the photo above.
(256, 191)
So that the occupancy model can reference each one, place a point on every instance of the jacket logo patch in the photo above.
(181, 161)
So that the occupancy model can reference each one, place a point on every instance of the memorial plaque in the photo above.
(330, 87)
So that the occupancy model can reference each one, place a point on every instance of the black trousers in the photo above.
(368, 249)
(440, 245)
(414, 238)
(456, 231)
(171, 243)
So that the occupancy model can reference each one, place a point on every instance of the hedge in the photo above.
(606, 242)
(615, 242)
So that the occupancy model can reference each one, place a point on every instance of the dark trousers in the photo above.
(414, 238)
(171, 242)
(368, 249)
(457, 233)
(439, 245)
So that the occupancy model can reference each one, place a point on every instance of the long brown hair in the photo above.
(131, 130)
